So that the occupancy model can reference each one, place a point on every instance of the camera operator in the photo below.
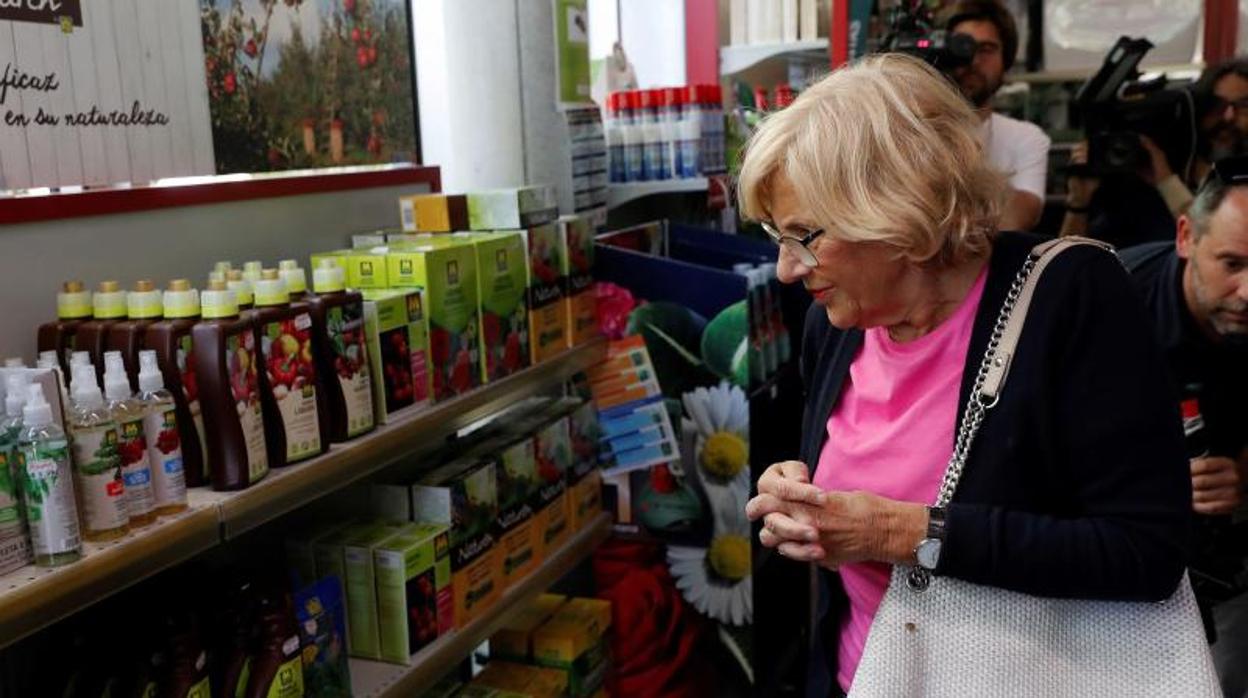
(1196, 291)
(1017, 148)
(1125, 209)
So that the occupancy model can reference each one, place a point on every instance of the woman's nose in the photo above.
(788, 268)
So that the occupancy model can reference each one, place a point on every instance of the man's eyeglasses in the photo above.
(798, 246)
(1219, 105)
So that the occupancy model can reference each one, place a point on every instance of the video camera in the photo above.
(912, 31)
(1117, 108)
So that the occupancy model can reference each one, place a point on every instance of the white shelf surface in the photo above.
(621, 193)
(735, 59)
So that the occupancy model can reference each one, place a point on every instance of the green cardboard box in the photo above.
(576, 240)
(366, 268)
(414, 598)
(396, 332)
(447, 272)
(361, 588)
(548, 335)
(521, 207)
(301, 551)
(503, 289)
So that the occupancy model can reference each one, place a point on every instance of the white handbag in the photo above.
(938, 636)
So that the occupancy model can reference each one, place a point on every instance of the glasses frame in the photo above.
(798, 246)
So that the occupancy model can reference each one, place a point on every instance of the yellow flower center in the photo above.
(729, 557)
(724, 454)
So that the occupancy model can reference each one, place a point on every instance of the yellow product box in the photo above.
(463, 494)
(367, 240)
(503, 293)
(519, 207)
(366, 268)
(514, 641)
(576, 240)
(447, 272)
(415, 601)
(548, 335)
(396, 333)
(338, 257)
(523, 679)
(434, 213)
(575, 641)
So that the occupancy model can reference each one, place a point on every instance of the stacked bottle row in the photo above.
(253, 360)
(770, 347)
(668, 133)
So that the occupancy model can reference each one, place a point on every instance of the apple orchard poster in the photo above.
(103, 92)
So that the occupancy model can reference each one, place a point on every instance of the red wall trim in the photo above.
(1221, 30)
(838, 33)
(701, 42)
(26, 209)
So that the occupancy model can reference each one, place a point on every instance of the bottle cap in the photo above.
(217, 276)
(294, 276)
(1190, 408)
(222, 267)
(49, 355)
(328, 277)
(80, 358)
(271, 290)
(110, 301)
(217, 302)
(150, 377)
(83, 389)
(144, 301)
(181, 301)
(235, 282)
(73, 301)
(37, 412)
(252, 271)
(14, 362)
(15, 390)
(116, 384)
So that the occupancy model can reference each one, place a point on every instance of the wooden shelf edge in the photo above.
(291, 487)
(32, 598)
(377, 679)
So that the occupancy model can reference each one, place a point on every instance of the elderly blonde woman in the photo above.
(875, 186)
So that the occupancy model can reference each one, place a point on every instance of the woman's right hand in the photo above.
(787, 503)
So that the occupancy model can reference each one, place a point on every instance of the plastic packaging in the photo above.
(97, 463)
(12, 520)
(47, 484)
(136, 467)
(164, 441)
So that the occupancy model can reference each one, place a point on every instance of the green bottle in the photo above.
(47, 484)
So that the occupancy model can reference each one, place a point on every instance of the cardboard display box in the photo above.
(414, 597)
(396, 333)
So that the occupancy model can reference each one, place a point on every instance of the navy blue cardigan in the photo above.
(1078, 484)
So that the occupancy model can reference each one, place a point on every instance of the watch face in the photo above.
(928, 553)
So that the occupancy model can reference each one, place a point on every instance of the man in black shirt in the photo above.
(1196, 290)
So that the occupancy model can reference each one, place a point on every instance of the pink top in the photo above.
(891, 434)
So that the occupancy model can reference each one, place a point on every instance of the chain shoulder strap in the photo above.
(994, 368)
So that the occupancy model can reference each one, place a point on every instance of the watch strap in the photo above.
(936, 517)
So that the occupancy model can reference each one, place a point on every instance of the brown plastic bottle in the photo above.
(186, 670)
(229, 390)
(143, 309)
(171, 340)
(294, 421)
(277, 668)
(73, 307)
(109, 308)
(340, 353)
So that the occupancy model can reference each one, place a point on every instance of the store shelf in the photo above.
(735, 59)
(622, 193)
(289, 488)
(34, 597)
(377, 680)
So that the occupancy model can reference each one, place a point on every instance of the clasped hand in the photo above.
(832, 528)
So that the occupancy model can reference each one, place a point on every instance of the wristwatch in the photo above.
(927, 552)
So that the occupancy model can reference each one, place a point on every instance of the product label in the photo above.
(240, 691)
(101, 487)
(135, 468)
(10, 515)
(240, 352)
(203, 689)
(48, 491)
(164, 452)
(190, 391)
(287, 350)
(477, 586)
(288, 682)
(346, 337)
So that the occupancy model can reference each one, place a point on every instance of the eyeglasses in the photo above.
(798, 246)
(1219, 105)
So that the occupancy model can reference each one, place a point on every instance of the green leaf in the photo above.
(725, 344)
(673, 334)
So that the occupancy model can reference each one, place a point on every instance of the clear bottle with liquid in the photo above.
(136, 467)
(47, 485)
(12, 519)
(97, 464)
(164, 441)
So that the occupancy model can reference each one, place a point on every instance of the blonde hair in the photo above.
(883, 150)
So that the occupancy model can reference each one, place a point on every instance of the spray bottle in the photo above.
(47, 484)
(97, 465)
(131, 446)
(160, 429)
